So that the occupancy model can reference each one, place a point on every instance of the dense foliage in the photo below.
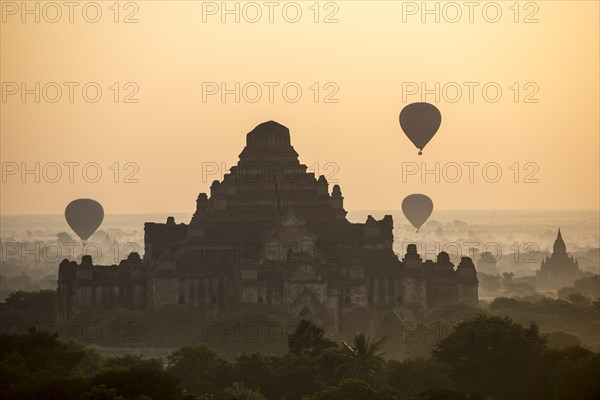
(456, 351)
(486, 357)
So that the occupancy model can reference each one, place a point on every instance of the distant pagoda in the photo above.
(558, 270)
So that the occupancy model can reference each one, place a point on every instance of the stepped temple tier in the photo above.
(270, 232)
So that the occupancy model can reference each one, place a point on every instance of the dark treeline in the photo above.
(456, 351)
(486, 357)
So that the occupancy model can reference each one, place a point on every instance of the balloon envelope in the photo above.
(420, 122)
(417, 208)
(84, 216)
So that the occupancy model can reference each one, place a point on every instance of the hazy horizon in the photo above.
(350, 211)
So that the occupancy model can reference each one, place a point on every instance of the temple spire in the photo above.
(559, 244)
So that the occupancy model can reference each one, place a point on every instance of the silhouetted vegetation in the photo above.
(27, 309)
(485, 357)
(576, 316)
(449, 352)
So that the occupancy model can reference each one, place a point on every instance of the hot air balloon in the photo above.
(84, 216)
(417, 208)
(420, 122)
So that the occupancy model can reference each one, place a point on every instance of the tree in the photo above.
(258, 371)
(578, 299)
(198, 368)
(45, 352)
(589, 286)
(452, 312)
(134, 382)
(356, 389)
(42, 300)
(29, 308)
(450, 395)
(569, 373)
(350, 389)
(130, 361)
(101, 392)
(492, 355)
(308, 338)
(577, 377)
(363, 359)
(39, 365)
(564, 292)
(561, 340)
(507, 303)
(238, 391)
(291, 376)
(416, 376)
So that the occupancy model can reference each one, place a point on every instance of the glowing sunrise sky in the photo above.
(366, 61)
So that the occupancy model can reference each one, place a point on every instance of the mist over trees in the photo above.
(30, 258)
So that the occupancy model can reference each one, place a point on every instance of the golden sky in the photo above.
(363, 60)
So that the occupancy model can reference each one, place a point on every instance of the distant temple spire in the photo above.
(558, 270)
(559, 244)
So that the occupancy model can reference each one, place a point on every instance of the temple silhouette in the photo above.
(270, 233)
(558, 270)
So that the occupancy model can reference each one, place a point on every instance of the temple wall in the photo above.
(414, 290)
(164, 291)
(253, 294)
(138, 296)
(291, 291)
(468, 293)
(84, 296)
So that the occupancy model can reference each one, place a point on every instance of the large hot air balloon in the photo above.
(420, 122)
(417, 208)
(84, 216)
